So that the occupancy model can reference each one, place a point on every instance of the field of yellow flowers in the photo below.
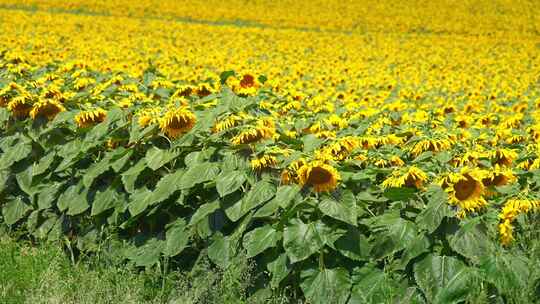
(358, 151)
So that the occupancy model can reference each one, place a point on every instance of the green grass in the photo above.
(46, 274)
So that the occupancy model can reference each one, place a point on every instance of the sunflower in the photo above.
(90, 117)
(512, 208)
(499, 176)
(20, 106)
(503, 157)
(322, 177)
(230, 121)
(413, 177)
(148, 116)
(465, 189)
(290, 174)
(263, 162)
(47, 108)
(432, 144)
(177, 121)
(264, 129)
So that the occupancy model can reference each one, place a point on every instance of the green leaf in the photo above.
(261, 192)
(260, 239)
(166, 186)
(399, 194)
(104, 201)
(156, 158)
(279, 268)
(323, 286)
(226, 74)
(443, 279)
(220, 251)
(391, 233)
(203, 211)
(228, 182)
(311, 142)
(24, 180)
(301, 240)
(73, 199)
(44, 164)
(344, 210)
(437, 208)
(130, 176)
(198, 174)
(96, 170)
(15, 210)
(119, 163)
(353, 245)
(510, 274)
(177, 237)
(140, 200)
(472, 241)
(47, 194)
(286, 194)
(147, 254)
(371, 285)
(15, 153)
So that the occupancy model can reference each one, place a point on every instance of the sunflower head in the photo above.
(47, 108)
(20, 106)
(322, 177)
(465, 189)
(90, 117)
(264, 129)
(177, 122)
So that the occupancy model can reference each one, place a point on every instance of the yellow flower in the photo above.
(177, 121)
(90, 117)
(412, 177)
(465, 189)
(322, 177)
(47, 108)
(263, 162)
(20, 106)
(264, 129)
(512, 208)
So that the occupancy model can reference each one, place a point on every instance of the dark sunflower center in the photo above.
(247, 81)
(318, 176)
(178, 123)
(465, 188)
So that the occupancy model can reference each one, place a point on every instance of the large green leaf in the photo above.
(399, 194)
(261, 192)
(371, 285)
(391, 233)
(73, 199)
(147, 254)
(43, 164)
(220, 251)
(260, 239)
(203, 211)
(130, 176)
(228, 182)
(443, 279)
(96, 170)
(437, 208)
(15, 153)
(156, 158)
(103, 201)
(15, 210)
(509, 273)
(140, 200)
(353, 245)
(166, 186)
(301, 240)
(472, 241)
(323, 286)
(24, 180)
(177, 237)
(198, 174)
(279, 268)
(343, 210)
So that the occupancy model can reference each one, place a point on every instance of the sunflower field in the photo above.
(356, 151)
